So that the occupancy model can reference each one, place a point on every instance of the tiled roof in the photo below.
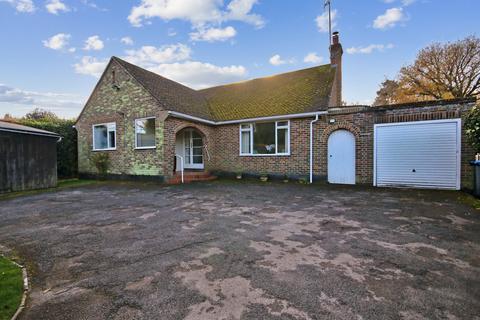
(288, 93)
(299, 91)
(18, 128)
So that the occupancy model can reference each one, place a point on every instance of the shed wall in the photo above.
(27, 162)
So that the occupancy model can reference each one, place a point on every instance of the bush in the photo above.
(101, 161)
(472, 127)
(67, 163)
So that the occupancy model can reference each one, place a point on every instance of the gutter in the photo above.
(32, 133)
(219, 123)
(311, 147)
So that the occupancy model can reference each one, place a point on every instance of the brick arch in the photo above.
(340, 126)
(183, 126)
(323, 165)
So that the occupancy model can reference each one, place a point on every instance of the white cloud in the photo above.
(389, 19)
(197, 12)
(322, 21)
(312, 57)
(55, 6)
(276, 60)
(149, 56)
(31, 99)
(127, 41)
(199, 75)
(213, 34)
(90, 66)
(93, 43)
(93, 5)
(240, 10)
(57, 42)
(174, 62)
(369, 49)
(21, 5)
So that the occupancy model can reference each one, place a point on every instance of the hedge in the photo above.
(472, 127)
(67, 163)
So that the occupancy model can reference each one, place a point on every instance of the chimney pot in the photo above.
(335, 38)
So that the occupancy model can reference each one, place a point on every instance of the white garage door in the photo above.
(423, 154)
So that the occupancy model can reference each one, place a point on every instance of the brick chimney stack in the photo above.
(336, 52)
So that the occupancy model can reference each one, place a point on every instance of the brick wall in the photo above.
(227, 153)
(122, 106)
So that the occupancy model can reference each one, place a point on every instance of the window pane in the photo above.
(197, 159)
(264, 138)
(145, 131)
(100, 137)
(111, 139)
(282, 138)
(245, 147)
(245, 126)
(282, 123)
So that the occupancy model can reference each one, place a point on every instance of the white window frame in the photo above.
(135, 130)
(108, 140)
(250, 130)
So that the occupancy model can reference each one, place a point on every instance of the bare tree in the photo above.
(40, 114)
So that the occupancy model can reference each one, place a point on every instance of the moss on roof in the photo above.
(288, 93)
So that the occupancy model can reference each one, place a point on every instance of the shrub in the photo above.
(472, 127)
(67, 163)
(101, 161)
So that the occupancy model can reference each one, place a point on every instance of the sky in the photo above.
(54, 51)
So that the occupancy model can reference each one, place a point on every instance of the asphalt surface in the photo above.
(227, 250)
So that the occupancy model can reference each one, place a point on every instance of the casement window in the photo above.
(265, 138)
(145, 133)
(104, 136)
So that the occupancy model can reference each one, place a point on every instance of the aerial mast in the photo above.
(328, 3)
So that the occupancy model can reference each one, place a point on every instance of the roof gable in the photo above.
(172, 95)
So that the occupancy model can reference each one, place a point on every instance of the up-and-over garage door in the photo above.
(423, 154)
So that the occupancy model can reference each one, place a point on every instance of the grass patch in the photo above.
(470, 200)
(11, 288)
(62, 184)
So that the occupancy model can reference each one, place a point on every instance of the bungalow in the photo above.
(290, 124)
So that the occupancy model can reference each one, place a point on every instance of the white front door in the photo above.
(193, 149)
(341, 157)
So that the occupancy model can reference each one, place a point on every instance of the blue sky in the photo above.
(53, 51)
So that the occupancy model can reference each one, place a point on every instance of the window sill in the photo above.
(145, 148)
(266, 155)
(110, 149)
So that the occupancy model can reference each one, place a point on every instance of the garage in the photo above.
(421, 154)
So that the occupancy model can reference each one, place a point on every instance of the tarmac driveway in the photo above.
(227, 250)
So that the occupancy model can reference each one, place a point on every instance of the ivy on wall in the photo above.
(472, 127)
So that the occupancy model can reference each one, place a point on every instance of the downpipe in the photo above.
(311, 147)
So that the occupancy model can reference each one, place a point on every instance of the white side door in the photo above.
(341, 157)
